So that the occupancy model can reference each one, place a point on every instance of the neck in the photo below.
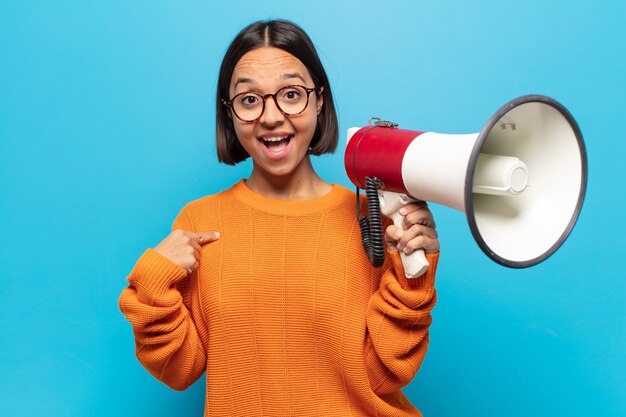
(301, 184)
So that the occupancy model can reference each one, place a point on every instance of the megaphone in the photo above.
(521, 180)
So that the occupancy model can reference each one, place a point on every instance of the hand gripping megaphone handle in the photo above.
(415, 264)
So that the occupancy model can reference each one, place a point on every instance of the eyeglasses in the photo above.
(291, 101)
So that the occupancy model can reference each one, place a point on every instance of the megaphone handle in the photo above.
(415, 264)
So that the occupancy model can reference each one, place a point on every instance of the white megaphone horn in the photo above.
(521, 180)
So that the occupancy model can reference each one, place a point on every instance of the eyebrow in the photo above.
(242, 80)
(289, 75)
(286, 76)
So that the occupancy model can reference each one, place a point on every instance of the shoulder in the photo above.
(345, 192)
(197, 209)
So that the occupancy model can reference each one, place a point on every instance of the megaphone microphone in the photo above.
(521, 180)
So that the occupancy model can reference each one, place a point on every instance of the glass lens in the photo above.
(292, 99)
(248, 106)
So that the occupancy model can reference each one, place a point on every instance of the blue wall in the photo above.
(106, 130)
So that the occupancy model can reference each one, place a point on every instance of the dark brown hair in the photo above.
(291, 38)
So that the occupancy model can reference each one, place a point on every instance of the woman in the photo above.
(265, 286)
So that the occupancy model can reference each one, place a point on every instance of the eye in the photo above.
(291, 94)
(249, 99)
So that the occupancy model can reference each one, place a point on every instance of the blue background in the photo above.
(107, 129)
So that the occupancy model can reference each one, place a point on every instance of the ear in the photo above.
(228, 110)
(320, 100)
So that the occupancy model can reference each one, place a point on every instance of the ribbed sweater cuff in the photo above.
(427, 280)
(155, 273)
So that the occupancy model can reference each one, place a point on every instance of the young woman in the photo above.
(265, 286)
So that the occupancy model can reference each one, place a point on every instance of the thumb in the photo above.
(204, 237)
(393, 232)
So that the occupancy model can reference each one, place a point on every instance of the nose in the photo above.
(271, 116)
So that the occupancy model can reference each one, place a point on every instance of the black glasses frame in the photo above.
(229, 103)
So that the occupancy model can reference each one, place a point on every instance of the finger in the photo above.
(392, 234)
(195, 245)
(188, 254)
(427, 243)
(415, 231)
(203, 237)
(423, 217)
(191, 268)
(414, 206)
(190, 248)
(419, 229)
(206, 237)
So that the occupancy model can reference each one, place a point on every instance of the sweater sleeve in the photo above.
(166, 339)
(398, 318)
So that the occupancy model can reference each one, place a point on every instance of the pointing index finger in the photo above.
(203, 237)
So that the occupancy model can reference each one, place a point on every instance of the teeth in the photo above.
(275, 139)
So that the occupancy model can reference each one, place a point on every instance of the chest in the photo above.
(298, 275)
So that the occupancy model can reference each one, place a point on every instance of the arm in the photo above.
(398, 315)
(166, 338)
(398, 319)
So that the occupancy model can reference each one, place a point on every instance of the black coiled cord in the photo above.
(372, 226)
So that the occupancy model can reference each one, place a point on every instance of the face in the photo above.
(278, 144)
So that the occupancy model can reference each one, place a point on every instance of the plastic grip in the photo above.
(415, 264)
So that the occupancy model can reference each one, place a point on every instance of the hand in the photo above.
(183, 247)
(417, 232)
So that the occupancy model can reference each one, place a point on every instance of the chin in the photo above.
(281, 172)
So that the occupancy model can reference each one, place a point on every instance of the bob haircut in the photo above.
(291, 38)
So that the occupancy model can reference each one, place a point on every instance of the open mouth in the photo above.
(276, 144)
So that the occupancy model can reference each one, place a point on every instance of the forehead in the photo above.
(268, 66)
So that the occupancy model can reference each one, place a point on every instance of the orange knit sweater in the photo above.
(284, 314)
